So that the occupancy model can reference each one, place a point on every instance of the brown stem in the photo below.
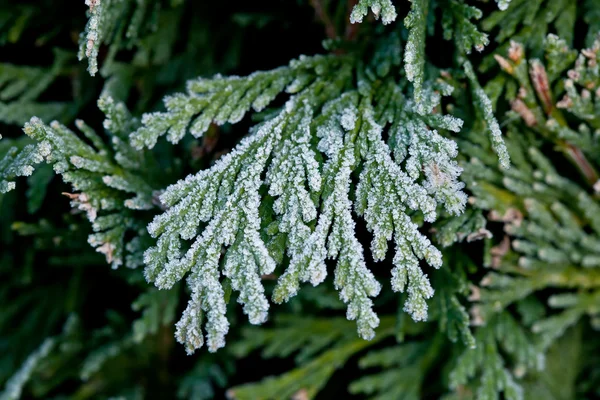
(165, 342)
(582, 163)
(574, 153)
(323, 16)
(542, 87)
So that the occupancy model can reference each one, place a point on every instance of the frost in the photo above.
(100, 182)
(485, 107)
(117, 24)
(193, 200)
(284, 193)
(414, 53)
(15, 163)
(348, 120)
(221, 100)
(90, 41)
(385, 191)
(503, 4)
(14, 385)
(380, 8)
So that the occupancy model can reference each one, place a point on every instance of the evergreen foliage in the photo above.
(479, 168)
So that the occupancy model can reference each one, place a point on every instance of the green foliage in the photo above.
(502, 333)
(458, 26)
(529, 22)
(21, 87)
(101, 177)
(414, 62)
(121, 24)
(403, 372)
(385, 8)
(393, 132)
(336, 344)
(549, 220)
(14, 385)
(16, 162)
(227, 196)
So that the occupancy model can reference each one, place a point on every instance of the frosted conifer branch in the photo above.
(226, 198)
(385, 191)
(15, 163)
(293, 179)
(308, 262)
(309, 211)
(458, 27)
(14, 386)
(226, 99)
(236, 210)
(383, 8)
(94, 33)
(334, 236)
(100, 182)
(414, 53)
(116, 23)
(484, 105)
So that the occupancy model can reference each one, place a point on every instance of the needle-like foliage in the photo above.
(391, 216)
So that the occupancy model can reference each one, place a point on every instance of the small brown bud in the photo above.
(521, 108)
(566, 102)
(585, 94)
(574, 75)
(301, 394)
(515, 51)
(504, 64)
(541, 85)
(476, 317)
(589, 53)
(475, 293)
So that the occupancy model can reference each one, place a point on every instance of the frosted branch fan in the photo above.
(303, 157)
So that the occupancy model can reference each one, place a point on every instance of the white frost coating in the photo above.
(308, 264)
(6, 186)
(308, 208)
(292, 177)
(380, 8)
(433, 155)
(352, 276)
(485, 106)
(189, 327)
(207, 297)
(383, 193)
(503, 4)
(18, 163)
(90, 42)
(334, 238)
(44, 148)
(494, 127)
(348, 120)
(410, 246)
(414, 51)
(94, 175)
(14, 385)
(236, 208)
(223, 100)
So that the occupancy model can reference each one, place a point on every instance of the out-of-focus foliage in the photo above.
(384, 128)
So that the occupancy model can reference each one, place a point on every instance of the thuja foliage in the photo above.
(407, 209)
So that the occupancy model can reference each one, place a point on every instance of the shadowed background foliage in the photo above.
(517, 302)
